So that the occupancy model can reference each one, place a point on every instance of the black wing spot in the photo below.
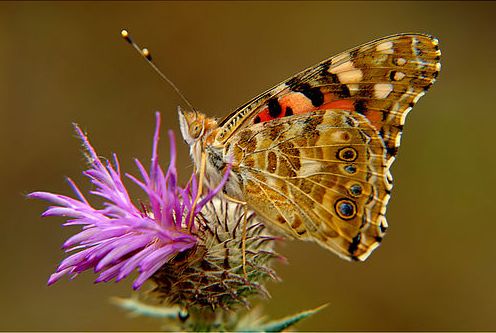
(334, 78)
(274, 108)
(360, 106)
(257, 120)
(289, 111)
(364, 221)
(344, 91)
(301, 232)
(324, 70)
(392, 75)
(392, 151)
(354, 244)
(384, 115)
(313, 94)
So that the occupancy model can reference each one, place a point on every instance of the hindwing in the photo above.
(319, 176)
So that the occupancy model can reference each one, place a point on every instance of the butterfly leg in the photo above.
(200, 187)
(243, 240)
(245, 223)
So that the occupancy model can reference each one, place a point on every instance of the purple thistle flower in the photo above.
(119, 238)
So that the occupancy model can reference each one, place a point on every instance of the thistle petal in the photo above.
(119, 238)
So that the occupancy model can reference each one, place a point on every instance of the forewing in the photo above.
(317, 176)
(380, 80)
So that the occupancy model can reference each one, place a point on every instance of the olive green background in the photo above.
(64, 62)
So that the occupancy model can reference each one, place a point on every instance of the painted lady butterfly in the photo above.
(311, 156)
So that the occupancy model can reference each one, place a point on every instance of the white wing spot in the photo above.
(381, 221)
(309, 168)
(385, 201)
(389, 162)
(351, 76)
(366, 254)
(379, 59)
(339, 137)
(416, 98)
(353, 88)
(386, 47)
(414, 45)
(397, 141)
(398, 76)
(403, 116)
(382, 90)
(345, 66)
(400, 61)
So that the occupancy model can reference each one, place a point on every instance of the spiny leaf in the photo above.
(284, 323)
(137, 308)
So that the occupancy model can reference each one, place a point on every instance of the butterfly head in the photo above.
(195, 126)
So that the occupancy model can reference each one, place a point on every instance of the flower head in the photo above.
(119, 237)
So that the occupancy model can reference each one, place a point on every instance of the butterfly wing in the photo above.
(313, 154)
(317, 176)
(381, 80)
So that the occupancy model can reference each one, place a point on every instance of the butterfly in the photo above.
(312, 155)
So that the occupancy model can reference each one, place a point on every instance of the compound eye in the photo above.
(195, 129)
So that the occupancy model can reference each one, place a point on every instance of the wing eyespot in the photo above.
(355, 190)
(347, 154)
(346, 209)
(350, 169)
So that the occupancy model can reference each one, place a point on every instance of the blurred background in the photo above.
(64, 62)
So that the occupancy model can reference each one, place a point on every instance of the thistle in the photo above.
(187, 247)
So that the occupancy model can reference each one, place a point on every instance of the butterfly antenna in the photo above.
(148, 57)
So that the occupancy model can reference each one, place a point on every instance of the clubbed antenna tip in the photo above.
(145, 53)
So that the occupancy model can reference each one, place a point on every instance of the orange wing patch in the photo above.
(299, 103)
